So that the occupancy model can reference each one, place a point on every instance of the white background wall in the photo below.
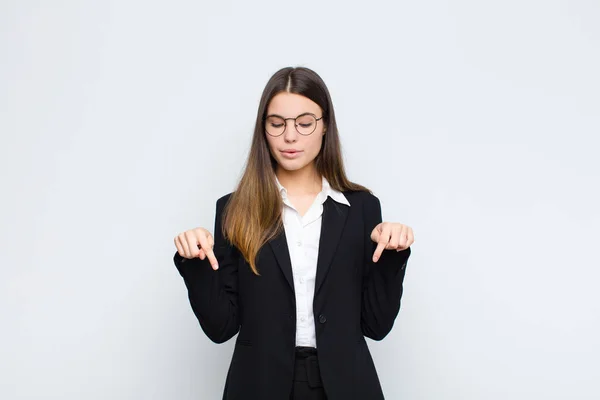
(123, 121)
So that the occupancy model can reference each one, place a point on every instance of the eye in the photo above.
(275, 122)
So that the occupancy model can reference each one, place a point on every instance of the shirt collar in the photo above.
(326, 191)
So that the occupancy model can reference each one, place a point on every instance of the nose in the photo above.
(291, 134)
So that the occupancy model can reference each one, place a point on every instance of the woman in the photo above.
(301, 264)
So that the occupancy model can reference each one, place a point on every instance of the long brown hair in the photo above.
(253, 214)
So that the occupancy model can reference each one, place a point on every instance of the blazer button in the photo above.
(322, 318)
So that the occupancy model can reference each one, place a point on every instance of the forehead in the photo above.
(291, 105)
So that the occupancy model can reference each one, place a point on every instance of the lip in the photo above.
(291, 153)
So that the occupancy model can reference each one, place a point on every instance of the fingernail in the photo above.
(375, 259)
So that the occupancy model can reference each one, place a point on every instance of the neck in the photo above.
(304, 181)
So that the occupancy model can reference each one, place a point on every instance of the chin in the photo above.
(288, 167)
(288, 163)
(292, 165)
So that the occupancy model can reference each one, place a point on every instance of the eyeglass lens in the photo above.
(305, 125)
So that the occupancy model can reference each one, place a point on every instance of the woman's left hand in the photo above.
(391, 236)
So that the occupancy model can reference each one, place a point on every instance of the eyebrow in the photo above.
(277, 115)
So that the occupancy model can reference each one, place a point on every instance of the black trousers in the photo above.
(307, 376)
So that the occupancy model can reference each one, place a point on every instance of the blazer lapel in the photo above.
(282, 254)
(332, 226)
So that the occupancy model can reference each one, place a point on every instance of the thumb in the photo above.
(375, 233)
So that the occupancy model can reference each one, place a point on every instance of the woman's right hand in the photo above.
(197, 242)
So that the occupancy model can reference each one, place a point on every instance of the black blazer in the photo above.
(354, 298)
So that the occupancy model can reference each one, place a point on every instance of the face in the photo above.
(292, 150)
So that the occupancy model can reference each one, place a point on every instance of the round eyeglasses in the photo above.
(305, 124)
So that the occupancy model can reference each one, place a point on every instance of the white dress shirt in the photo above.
(303, 234)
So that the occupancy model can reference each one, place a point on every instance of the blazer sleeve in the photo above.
(213, 295)
(382, 281)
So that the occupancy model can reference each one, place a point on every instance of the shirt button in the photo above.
(302, 318)
(299, 243)
(301, 280)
